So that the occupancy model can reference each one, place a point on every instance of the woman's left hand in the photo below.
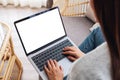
(53, 70)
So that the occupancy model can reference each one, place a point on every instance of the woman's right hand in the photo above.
(73, 53)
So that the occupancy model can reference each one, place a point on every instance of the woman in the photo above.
(103, 63)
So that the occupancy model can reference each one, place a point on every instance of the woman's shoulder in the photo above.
(94, 65)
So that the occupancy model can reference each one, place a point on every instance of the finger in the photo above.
(46, 69)
(49, 64)
(52, 63)
(69, 53)
(56, 63)
(68, 48)
(71, 58)
(61, 68)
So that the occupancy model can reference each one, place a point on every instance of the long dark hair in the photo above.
(108, 15)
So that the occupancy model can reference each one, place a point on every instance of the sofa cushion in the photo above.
(90, 14)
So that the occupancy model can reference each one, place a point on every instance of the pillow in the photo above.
(96, 25)
(4, 2)
(90, 14)
(16, 2)
(35, 3)
(10, 2)
(23, 3)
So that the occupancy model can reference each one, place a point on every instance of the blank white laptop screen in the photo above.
(40, 30)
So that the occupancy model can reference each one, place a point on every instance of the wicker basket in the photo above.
(72, 7)
(10, 66)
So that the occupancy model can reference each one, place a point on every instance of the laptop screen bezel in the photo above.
(31, 16)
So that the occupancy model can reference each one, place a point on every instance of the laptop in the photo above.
(43, 37)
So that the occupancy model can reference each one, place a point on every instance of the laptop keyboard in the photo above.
(54, 52)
